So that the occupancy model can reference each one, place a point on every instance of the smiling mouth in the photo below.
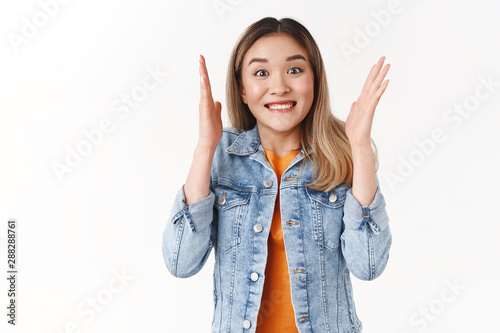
(281, 106)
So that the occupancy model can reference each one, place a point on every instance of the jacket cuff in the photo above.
(196, 213)
(357, 216)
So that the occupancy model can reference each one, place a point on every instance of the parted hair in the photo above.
(322, 135)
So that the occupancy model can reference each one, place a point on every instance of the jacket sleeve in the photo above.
(189, 235)
(366, 238)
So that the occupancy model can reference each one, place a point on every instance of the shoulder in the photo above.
(230, 131)
(229, 134)
(222, 159)
(239, 142)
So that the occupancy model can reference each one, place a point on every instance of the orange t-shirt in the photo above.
(276, 311)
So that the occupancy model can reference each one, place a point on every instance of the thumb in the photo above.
(218, 106)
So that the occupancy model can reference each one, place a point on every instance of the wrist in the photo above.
(362, 154)
(360, 145)
(205, 148)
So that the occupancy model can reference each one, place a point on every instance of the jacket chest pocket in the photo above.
(327, 211)
(231, 207)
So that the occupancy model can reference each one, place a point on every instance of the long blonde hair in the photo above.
(323, 138)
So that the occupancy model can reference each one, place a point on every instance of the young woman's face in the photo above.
(276, 74)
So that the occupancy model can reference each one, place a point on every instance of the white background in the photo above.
(107, 215)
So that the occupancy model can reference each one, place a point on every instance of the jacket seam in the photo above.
(348, 295)
(232, 290)
(305, 264)
(321, 245)
(177, 247)
(220, 290)
(339, 307)
(323, 286)
(372, 257)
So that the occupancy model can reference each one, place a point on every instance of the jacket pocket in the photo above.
(327, 212)
(231, 206)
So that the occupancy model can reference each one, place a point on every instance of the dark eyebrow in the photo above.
(294, 57)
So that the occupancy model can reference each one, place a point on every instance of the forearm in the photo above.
(364, 184)
(367, 238)
(198, 181)
(189, 235)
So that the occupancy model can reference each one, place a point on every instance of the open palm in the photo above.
(359, 121)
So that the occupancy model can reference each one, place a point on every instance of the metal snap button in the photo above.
(332, 198)
(258, 227)
(246, 323)
(254, 276)
(268, 183)
(222, 200)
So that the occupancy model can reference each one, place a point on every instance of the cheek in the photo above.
(254, 93)
(305, 88)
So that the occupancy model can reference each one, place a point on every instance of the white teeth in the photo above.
(280, 107)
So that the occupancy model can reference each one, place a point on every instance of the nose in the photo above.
(279, 85)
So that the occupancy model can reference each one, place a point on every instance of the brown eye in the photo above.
(298, 70)
(259, 71)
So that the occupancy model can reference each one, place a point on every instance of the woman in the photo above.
(286, 235)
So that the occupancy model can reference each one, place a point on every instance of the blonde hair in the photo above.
(323, 138)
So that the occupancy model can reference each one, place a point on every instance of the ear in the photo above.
(242, 92)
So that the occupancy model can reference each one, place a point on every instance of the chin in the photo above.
(284, 127)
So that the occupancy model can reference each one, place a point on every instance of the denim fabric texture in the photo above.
(327, 236)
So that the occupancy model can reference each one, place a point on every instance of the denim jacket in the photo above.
(327, 236)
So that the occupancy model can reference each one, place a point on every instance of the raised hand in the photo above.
(359, 121)
(197, 184)
(210, 126)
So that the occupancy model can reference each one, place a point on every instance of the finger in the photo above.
(204, 80)
(381, 90)
(376, 84)
(373, 74)
(353, 105)
(205, 88)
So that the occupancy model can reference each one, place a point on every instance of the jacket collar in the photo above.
(247, 142)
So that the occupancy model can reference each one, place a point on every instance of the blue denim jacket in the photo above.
(327, 236)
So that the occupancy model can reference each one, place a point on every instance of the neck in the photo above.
(281, 143)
